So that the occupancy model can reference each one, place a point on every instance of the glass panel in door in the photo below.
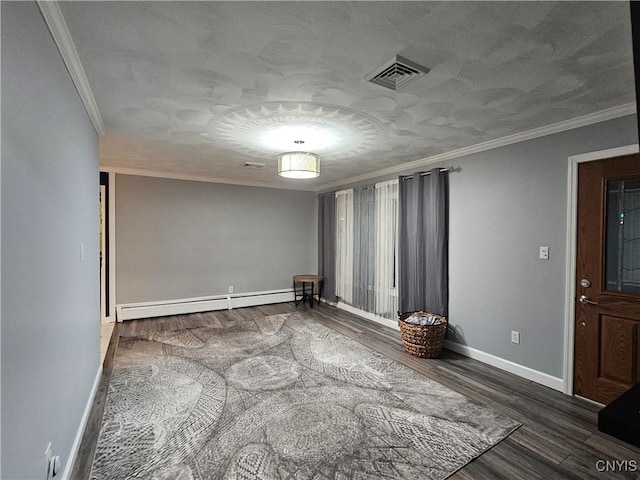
(623, 236)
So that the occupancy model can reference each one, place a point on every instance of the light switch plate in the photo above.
(544, 253)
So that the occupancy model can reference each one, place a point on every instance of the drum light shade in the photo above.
(298, 165)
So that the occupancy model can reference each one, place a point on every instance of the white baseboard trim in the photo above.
(71, 458)
(369, 316)
(132, 311)
(507, 365)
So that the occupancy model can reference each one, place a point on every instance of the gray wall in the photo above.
(503, 205)
(182, 239)
(50, 299)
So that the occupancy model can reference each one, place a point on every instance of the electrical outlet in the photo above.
(515, 337)
(230, 288)
(544, 253)
(47, 461)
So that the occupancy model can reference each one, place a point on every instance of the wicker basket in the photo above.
(424, 341)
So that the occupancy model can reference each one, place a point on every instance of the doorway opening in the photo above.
(105, 257)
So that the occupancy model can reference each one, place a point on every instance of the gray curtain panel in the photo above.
(423, 243)
(364, 248)
(327, 244)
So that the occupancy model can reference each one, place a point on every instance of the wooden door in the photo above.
(607, 320)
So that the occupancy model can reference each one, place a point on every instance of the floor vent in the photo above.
(397, 72)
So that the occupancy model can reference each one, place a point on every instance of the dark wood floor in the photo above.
(558, 439)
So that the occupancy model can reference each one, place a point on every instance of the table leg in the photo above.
(304, 291)
(295, 296)
(299, 298)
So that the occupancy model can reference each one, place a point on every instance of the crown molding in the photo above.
(198, 178)
(58, 27)
(583, 121)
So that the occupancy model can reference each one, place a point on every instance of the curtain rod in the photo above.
(422, 174)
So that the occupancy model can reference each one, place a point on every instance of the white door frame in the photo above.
(112, 245)
(572, 239)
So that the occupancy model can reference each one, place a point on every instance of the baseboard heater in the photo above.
(133, 311)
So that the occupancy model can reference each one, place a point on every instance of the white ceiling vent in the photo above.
(397, 73)
(253, 165)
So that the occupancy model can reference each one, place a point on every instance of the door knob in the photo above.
(583, 324)
(586, 300)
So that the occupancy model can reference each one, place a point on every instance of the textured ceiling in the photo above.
(198, 88)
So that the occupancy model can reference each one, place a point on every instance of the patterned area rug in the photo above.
(280, 397)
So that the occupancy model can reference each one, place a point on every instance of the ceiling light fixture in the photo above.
(298, 165)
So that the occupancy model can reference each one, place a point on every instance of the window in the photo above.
(383, 253)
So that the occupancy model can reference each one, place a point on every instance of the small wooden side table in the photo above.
(300, 297)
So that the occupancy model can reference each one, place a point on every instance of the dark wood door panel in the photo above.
(617, 348)
(606, 391)
(583, 351)
(621, 305)
(637, 355)
(607, 328)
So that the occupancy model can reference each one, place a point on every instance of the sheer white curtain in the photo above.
(386, 229)
(344, 245)
(385, 254)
